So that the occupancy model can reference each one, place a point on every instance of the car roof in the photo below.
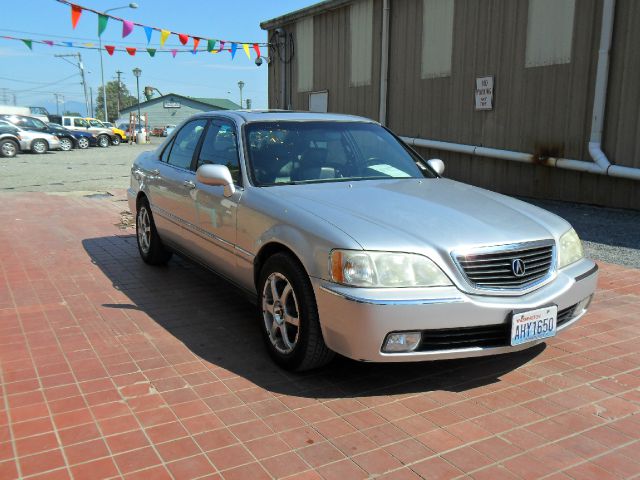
(247, 116)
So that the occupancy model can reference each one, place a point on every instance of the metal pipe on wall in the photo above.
(384, 63)
(601, 164)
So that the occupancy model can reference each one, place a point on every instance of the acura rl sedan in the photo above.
(351, 243)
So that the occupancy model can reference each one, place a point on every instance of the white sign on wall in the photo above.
(319, 101)
(484, 93)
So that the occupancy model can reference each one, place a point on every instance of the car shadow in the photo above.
(217, 322)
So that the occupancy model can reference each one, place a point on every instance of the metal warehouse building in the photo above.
(171, 109)
(538, 98)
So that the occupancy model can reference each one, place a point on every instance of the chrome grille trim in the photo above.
(489, 268)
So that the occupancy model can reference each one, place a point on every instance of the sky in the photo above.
(34, 76)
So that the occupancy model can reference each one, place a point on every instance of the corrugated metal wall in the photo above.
(541, 109)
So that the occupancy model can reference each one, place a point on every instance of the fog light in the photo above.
(401, 342)
(583, 305)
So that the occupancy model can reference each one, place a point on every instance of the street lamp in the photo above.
(240, 86)
(136, 73)
(104, 87)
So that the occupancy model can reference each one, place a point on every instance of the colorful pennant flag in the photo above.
(151, 52)
(245, 47)
(196, 42)
(256, 48)
(183, 38)
(127, 28)
(173, 52)
(131, 51)
(211, 46)
(234, 47)
(148, 31)
(164, 34)
(110, 49)
(28, 43)
(48, 42)
(76, 11)
(68, 44)
(221, 47)
(102, 23)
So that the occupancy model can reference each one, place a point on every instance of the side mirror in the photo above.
(437, 165)
(216, 175)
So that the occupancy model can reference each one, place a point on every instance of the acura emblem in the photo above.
(517, 267)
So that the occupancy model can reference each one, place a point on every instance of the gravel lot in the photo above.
(609, 235)
(93, 170)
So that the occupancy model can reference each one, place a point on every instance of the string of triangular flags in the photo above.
(128, 27)
(111, 49)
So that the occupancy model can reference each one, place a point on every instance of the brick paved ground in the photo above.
(110, 368)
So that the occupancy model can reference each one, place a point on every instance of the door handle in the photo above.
(189, 184)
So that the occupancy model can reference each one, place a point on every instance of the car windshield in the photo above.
(312, 152)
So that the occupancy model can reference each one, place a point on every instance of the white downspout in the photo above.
(600, 164)
(384, 63)
(602, 80)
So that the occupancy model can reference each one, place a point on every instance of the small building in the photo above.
(171, 109)
(536, 98)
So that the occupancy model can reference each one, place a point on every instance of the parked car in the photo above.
(9, 141)
(105, 136)
(34, 141)
(352, 243)
(158, 132)
(120, 137)
(72, 139)
(168, 130)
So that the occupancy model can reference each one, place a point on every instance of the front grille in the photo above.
(493, 269)
(485, 336)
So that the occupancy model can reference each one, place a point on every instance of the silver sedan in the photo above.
(352, 243)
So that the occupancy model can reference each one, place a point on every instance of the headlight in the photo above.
(385, 269)
(570, 249)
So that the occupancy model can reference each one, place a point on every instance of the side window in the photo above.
(221, 148)
(78, 122)
(67, 122)
(185, 144)
(166, 151)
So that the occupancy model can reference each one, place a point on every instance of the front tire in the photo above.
(39, 146)
(116, 141)
(150, 246)
(289, 315)
(66, 144)
(103, 141)
(8, 148)
(83, 142)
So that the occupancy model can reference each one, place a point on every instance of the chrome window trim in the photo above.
(505, 248)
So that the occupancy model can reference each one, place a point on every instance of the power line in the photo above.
(46, 84)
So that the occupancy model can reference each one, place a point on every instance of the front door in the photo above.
(217, 213)
(172, 189)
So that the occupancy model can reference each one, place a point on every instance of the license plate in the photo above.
(533, 325)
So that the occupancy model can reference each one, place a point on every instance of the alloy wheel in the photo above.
(83, 142)
(8, 149)
(144, 230)
(280, 313)
(65, 144)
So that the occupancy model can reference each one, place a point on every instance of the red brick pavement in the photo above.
(111, 368)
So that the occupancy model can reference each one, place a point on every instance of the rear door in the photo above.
(172, 186)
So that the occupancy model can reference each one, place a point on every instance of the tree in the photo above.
(113, 89)
(71, 114)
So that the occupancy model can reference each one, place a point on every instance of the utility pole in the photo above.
(58, 97)
(80, 67)
(118, 73)
(4, 93)
(14, 100)
(91, 101)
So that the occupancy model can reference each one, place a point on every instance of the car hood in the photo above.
(423, 215)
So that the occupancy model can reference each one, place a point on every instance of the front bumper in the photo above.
(356, 321)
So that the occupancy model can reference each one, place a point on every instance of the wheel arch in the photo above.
(268, 250)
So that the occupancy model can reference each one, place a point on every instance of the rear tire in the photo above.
(39, 146)
(150, 246)
(116, 141)
(8, 148)
(288, 315)
(103, 141)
